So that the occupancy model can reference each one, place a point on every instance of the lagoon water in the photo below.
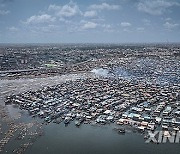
(89, 139)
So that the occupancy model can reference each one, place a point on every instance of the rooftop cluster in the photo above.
(104, 100)
(38, 60)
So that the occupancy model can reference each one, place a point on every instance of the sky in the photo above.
(89, 21)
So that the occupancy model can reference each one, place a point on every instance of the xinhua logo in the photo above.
(163, 137)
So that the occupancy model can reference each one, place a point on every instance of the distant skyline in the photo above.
(93, 21)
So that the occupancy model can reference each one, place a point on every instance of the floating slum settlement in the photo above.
(141, 105)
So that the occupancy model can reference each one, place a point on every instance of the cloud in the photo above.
(68, 10)
(53, 7)
(170, 26)
(48, 28)
(43, 29)
(65, 21)
(168, 19)
(125, 24)
(91, 13)
(107, 28)
(104, 6)
(155, 7)
(146, 22)
(4, 12)
(38, 19)
(140, 29)
(12, 29)
(89, 25)
(127, 30)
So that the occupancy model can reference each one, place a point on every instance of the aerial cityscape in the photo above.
(95, 77)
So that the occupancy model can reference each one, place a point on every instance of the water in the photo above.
(95, 140)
